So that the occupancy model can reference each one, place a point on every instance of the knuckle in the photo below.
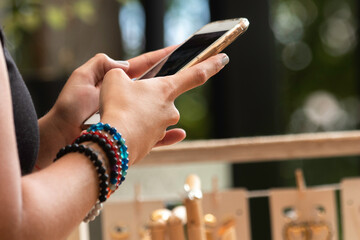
(200, 76)
(149, 62)
(218, 66)
(168, 88)
(81, 73)
(113, 75)
(115, 72)
(174, 117)
(101, 57)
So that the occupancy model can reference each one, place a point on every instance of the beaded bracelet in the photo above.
(98, 164)
(118, 158)
(94, 212)
(103, 177)
(120, 142)
(111, 152)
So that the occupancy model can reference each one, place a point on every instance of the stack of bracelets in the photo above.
(115, 149)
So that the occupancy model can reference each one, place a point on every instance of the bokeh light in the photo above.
(132, 27)
(338, 32)
(289, 19)
(322, 111)
(296, 56)
(183, 18)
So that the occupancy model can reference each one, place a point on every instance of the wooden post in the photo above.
(175, 228)
(154, 26)
(194, 210)
(157, 230)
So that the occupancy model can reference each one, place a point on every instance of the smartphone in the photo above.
(208, 41)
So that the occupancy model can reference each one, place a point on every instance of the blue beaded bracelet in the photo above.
(120, 141)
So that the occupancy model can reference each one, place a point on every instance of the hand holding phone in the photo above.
(206, 42)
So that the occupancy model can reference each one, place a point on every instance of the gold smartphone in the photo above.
(211, 39)
(208, 41)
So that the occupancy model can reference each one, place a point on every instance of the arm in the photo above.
(10, 170)
(34, 206)
(30, 206)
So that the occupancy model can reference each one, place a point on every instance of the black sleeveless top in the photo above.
(25, 118)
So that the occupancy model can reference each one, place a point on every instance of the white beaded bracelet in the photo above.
(94, 212)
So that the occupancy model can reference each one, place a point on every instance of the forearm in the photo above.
(59, 195)
(44, 205)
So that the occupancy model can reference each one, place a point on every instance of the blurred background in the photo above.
(294, 71)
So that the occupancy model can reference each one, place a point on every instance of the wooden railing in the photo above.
(257, 149)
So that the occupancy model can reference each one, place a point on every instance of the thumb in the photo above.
(96, 68)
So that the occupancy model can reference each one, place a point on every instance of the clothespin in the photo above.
(157, 223)
(157, 230)
(194, 210)
(137, 199)
(210, 226)
(227, 230)
(175, 228)
(301, 186)
(180, 212)
(210, 219)
(215, 191)
(300, 181)
(138, 207)
(192, 187)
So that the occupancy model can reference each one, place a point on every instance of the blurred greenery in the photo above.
(316, 48)
(23, 17)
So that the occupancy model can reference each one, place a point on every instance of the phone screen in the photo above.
(184, 54)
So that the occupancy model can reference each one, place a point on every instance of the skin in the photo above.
(50, 203)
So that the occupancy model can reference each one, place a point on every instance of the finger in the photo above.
(112, 79)
(99, 65)
(197, 74)
(143, 62)
(172, 136)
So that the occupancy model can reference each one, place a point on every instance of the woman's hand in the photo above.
(80, 95)
(79, 99)
(143, 110)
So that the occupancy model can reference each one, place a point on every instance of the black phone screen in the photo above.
(183, 54)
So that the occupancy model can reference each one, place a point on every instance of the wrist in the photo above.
(67, 131)
(124, 130)
(51, 140)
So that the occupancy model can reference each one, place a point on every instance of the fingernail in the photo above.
(124, 63)
(225, 59)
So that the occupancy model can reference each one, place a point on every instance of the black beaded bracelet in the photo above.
(89, 137)
(98, 164)
(111, 153)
